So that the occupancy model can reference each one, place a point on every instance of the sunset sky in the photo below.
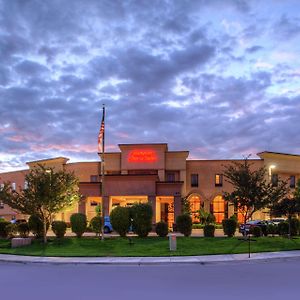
(220, 78)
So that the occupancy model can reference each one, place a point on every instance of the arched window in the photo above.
(195, 206)
(219, 209)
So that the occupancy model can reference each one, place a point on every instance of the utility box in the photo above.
(172, 242)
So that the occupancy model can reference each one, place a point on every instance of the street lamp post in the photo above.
(49, 172)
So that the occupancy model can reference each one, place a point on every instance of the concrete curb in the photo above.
(202, 260)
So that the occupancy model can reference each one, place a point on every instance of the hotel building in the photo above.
(151, 173)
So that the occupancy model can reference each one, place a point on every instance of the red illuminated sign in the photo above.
(142, 156)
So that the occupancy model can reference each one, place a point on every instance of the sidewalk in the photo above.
(205, 259)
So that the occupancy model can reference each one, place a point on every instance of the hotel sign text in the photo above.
(140, 155)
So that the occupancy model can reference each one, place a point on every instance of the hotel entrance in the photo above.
(165, 210)
(126, 201)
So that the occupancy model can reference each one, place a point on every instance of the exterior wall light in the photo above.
(270, 171)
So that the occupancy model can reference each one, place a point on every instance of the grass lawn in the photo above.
(151, 246)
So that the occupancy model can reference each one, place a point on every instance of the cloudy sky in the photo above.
(220, 78)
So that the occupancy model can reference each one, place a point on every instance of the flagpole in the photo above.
(102, 175)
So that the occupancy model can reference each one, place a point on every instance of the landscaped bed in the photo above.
(151, 246)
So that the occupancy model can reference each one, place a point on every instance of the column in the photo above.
(177, 206)
(105, 200)
(152, 202)
(82, 205)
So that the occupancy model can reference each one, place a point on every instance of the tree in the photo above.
(251, 191)
(186, 206)
(205, 217)
(48, 192)
(287, 206)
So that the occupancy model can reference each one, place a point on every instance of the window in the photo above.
(1, 186)
(94, 203)
(274, 179)
(170, 176)
(13, 186)
(195, 206)
(292, 182)
(219, 208)
(194, 180)
(219, 180)
(94, 178)
(1, 205)
(25, 185)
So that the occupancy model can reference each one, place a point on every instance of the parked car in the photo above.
(276, 221)
(245, 228)
(107, 225)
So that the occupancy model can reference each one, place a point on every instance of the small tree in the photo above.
(48, 192)
(78, 224)
(184, 224)
(205, 217)
(120, 221)
(23, 229)
(142, 219)
(251, 191)
(229, 226)
(59, 228)
(36, 226)
(288, 207)
(96, 224)
(162, 229)
(186, 206)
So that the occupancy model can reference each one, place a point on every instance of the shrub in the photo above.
(119, 219)
(256, 231)
(23, 229)
(3, 233)
(229, 226)
(11, 230)
(283, 228)
(264, 230)
(184, 224)
(234, 217)
(96, 225)
(36, 226)
(142, 219)
(209, 230)
(197, 226)
(59, 228)
(272, 229)
(294, 227)
(78, 224)
(162, 229)
(206, 217)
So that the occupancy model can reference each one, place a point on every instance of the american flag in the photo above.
(101, 134)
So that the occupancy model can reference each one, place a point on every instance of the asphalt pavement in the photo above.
(276, 279)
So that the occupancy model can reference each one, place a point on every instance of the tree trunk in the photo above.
(45, 230)
(289, 218)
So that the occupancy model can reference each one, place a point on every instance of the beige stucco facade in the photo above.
(151, 173)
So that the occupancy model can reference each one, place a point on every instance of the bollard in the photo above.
(172, 242)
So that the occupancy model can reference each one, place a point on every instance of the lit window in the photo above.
(94, 178)
(219, 209)
(292, 182)
(219, 180)
(274, 179)
(194, 180)
(13, 186)
(195, 206)
(1, 205)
